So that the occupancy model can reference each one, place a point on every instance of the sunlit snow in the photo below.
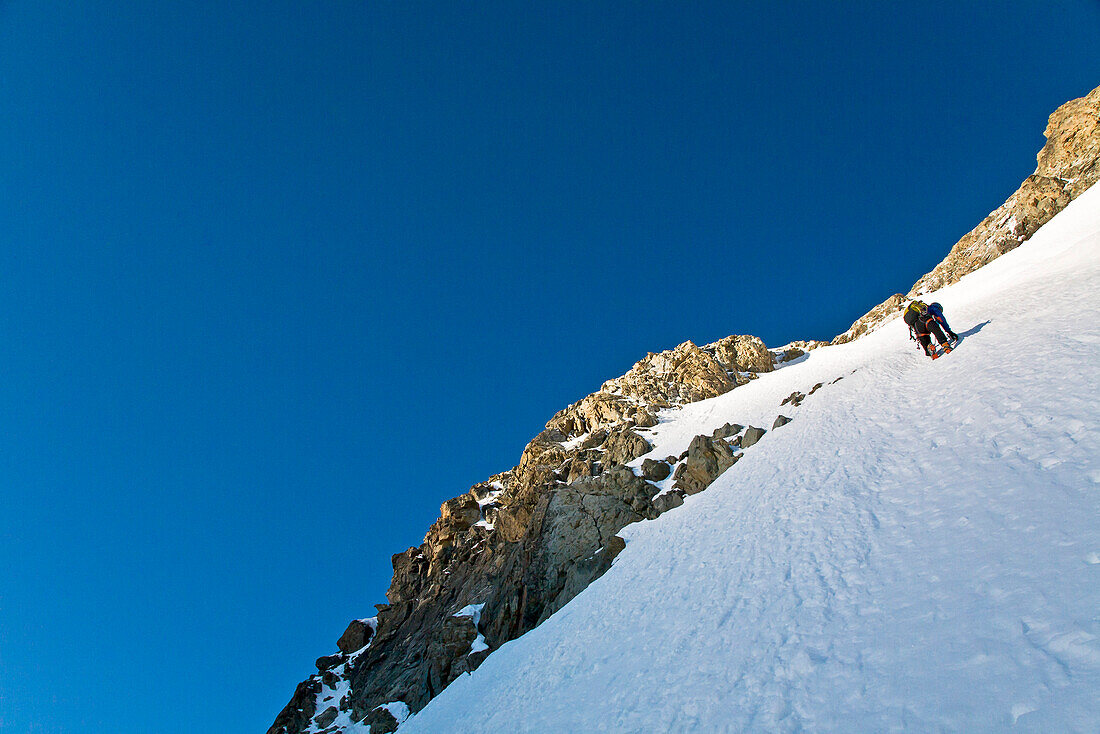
(918, 550)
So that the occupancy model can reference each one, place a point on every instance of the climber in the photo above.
(922, 326)
(936, 311)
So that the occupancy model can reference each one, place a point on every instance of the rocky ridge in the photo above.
(514, 549)
(1068, 164)
(520, 545)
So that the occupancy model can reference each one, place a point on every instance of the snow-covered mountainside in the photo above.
(918, 549)
(731, 537)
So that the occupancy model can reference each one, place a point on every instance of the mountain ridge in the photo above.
(522, 544)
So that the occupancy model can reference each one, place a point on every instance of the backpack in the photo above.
(917, 307)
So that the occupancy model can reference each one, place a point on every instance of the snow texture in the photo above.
(919, 550)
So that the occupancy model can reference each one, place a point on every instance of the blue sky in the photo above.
(276, 279)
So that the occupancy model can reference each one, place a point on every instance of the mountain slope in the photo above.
(1068, 165)
(918, 549)
(511, 552)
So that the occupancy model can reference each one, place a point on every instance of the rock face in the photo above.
(1068, 165)
(743, 353)
(520, 545)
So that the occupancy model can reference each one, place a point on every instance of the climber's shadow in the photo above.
(973, 330)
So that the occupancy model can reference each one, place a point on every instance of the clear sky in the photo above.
(278, 278)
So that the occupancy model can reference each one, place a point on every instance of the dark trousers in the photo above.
(926, 329)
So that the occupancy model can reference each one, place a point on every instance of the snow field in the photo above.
(919, 550)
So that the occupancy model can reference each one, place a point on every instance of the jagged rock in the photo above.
(594, 439)
(727, 430)
(705, 460)
(881, 313)
(814, 389)
(743, 353)
(598, 410)
(673, 377)
(624, 446)
(553, 435)
(541, 454)
(780, 420)
(296, 715)
(795, 398)
(580, 467)
(409, 570)
(380, 721)
(655, 470)
(460, 512)
(511, 522)
(355, 637)
(328, 661)
(490, 512)
(667, 501)
(326, 717)
(1068, 165)
(752, 435)
(802, 346)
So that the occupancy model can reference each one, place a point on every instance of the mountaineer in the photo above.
(924, 324)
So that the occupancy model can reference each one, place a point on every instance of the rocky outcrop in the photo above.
(706, 460)
(743, 353)
(752, 435)
(881, 313)
(297, 715)
(1068, 165)
(655, 471)
(522, 544)
(624, 446)
(357, 636)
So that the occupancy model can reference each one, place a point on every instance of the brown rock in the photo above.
(623, 446)
(752, 435)
(355, 637)
(706, 459)
(460, 512)
(326, 717)
(727, 430)
(655, 470)
(329, 661)
(743, 353)
(380, 721)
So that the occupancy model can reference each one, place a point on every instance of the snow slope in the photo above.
(919, 550)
